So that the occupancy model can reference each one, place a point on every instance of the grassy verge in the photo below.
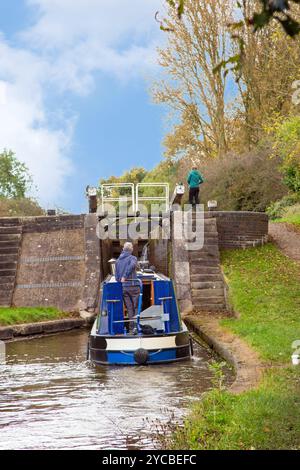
(291, 219)
(264, 289)
(265, 418)
(291, 216)
(13, 316)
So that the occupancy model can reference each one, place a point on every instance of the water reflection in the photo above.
(51, 398)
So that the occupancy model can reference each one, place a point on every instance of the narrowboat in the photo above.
(159, 334)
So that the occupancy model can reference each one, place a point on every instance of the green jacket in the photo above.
(195, 179)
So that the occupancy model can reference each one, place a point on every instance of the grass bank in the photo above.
(14, 316)
(264, 290)
(291, 216)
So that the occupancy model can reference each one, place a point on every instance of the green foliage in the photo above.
(265, 290)
(13, 316)
(248, 182)
(135, 175)
(218, 377)
(292, 178)
(277, 209)
(287, 146)
(265, 418)
(23, 207)
(15, 180)
(291, 216)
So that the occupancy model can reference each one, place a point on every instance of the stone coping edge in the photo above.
(8, 333)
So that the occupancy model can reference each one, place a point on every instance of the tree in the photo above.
(197, 43)
(270, 65)
(263, 13)
(287, 147)
(15, 180)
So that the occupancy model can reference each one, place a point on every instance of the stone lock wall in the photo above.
(198, 277)
(59, 261)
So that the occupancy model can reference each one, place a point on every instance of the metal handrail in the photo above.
(165, 198)
(116, 199)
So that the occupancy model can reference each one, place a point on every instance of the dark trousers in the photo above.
(194, 196)
(131, 298)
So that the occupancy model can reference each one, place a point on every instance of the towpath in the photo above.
(287, 238)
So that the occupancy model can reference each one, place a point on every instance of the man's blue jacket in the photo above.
(126, 267)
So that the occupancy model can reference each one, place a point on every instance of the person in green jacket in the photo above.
(194, 180)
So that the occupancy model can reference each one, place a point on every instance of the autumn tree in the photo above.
(191, 87)
(270, 65)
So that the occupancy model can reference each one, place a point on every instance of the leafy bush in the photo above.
(19, 208)
(15, 180)
(287, 146)
(292, 177)
(278, 208)
(248, 182)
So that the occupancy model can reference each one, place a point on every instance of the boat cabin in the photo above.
(157, 310)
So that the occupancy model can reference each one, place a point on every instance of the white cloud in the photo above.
(69, 41)
(3, 98)
(24, 125)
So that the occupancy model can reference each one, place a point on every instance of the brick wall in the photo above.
(241, 229)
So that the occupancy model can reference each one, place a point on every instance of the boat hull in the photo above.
(138, 350)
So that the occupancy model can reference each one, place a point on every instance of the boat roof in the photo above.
(144, 276)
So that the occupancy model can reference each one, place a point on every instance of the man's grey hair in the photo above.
(128, 246)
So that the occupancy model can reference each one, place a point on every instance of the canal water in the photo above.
(51, 398)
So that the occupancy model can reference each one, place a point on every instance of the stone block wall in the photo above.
(59, 262)
(159, 255)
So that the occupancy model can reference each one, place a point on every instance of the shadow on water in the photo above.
(51, 398)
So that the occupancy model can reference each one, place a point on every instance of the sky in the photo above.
(74, 92)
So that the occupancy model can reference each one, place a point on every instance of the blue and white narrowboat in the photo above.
(159, 335)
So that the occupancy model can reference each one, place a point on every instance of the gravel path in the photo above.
(287, 238)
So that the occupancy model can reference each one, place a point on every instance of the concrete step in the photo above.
(211, 307)
(198, 269)
(205, 262)
(207, 285)
(9, 243)
(11, 257)
(8, 265)
(7, 287)
(7, 272)
(7, 237)
(206, 278)
(6, 296)
(208, 293)
(198, 301)
(10, 229)
(7, 280)
(205, 252)
(9, 250)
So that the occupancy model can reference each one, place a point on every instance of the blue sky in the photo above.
(74, 103)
